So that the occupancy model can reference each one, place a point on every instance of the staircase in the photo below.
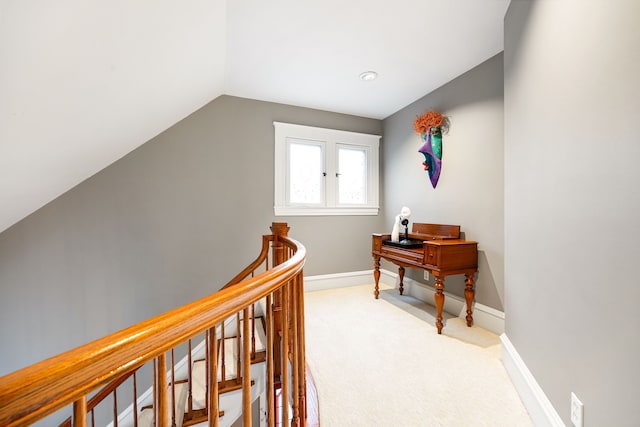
(190, 391)
(249, 354)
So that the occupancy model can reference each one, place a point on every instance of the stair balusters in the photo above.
(30, 394)
(213, 379)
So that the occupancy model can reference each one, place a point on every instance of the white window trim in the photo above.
(332, 138)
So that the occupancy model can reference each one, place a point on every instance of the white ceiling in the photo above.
(82, 83)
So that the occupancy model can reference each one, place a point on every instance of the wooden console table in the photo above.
(442, 253)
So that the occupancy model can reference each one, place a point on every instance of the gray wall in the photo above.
(572, 201)
(170, 222)
(470, 190)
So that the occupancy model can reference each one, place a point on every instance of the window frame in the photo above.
(331, 140)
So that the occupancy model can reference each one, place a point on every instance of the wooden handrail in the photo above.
(36, 391)
(255, 264)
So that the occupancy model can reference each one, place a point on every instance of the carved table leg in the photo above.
(439, 297)
(468, 295)
(401, 274)
(376, 274)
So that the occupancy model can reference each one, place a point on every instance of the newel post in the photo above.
(279, 230)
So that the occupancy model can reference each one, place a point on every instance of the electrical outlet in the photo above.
(577, 411)
(426, 275)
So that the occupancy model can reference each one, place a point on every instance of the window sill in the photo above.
(292, 211)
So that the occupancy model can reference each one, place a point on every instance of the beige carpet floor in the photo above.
(382, 363)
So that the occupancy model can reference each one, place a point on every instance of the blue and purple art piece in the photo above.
(430, 127)
(432, 150)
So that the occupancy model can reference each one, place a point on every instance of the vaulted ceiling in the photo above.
(82, 83)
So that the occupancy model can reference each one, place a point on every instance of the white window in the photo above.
(325, 171)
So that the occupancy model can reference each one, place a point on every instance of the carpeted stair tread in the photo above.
(146, 417)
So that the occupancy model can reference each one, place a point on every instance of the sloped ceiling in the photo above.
(82, 83)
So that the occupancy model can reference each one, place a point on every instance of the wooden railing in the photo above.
(101, 367)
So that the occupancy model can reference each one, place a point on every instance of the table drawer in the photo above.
(431, 255)
(412, 255)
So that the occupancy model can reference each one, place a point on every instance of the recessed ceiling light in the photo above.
(368, 76)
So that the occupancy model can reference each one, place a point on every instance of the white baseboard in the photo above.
(337, 280)
(483, 316)
(535, 400)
